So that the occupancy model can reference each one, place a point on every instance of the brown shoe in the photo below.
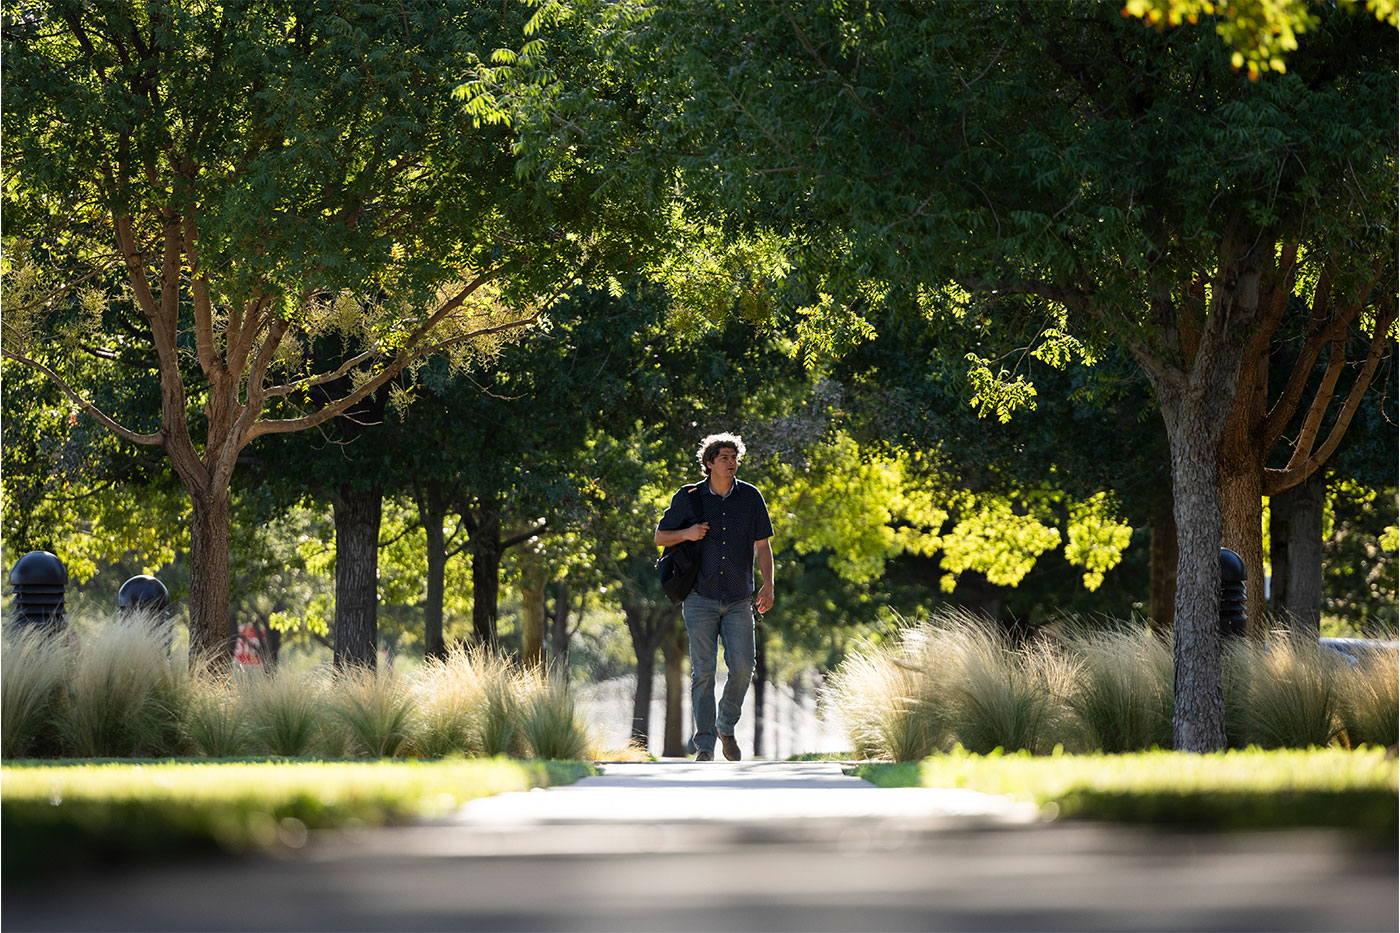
(703, 755)
(731, 747)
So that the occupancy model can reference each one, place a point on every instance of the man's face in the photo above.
(725, 464)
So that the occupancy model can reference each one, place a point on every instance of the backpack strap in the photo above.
(697, 507)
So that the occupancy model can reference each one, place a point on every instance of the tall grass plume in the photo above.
(374, 708)
(549, 723)
(32, 673)
(1370, 699)
(123, 692)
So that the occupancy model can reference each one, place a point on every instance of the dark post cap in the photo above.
(1231, 567)
(143, 591)
(39, 568)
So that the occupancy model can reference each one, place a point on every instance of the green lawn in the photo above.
(1235, 790)
(57, 817)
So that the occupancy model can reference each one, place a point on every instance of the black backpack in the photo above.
(679, 564)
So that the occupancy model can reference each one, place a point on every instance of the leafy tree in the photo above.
(1261, 33)
(1127, 183)
(260, 175)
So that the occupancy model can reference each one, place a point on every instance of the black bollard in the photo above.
(38, 580)
(144, 593)
(1232, 594)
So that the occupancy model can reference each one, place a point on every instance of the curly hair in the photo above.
(712, 445)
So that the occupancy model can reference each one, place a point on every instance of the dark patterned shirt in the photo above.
(726, 552)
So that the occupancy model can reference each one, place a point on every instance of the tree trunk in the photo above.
(559, 626)
(211, 629)
(641, 698)
(1242, 531)
(434, 645)
(674, 648)
(532, 588)
(1280, 520)
(1198, 720)
(357, 517)
(486, 575)
(1162, 561)
(1303, 599)
(760, 694)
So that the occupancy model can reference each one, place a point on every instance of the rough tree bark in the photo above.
(560, 631)
(357, 519)
(1193, 362)
(209, 578)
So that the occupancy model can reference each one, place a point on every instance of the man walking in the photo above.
(729, 519)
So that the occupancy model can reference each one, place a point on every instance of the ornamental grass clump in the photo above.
(124, 694)
(1286, 693)
(287, 712)
(443, 697)
(216, 722)
(467, 704)
(1370, 699)
(1008, 698)
(549, 723)
(374, 709)
(1122, 690)
(33, 663)
(877, 698)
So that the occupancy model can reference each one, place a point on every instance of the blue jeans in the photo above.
(708, 621)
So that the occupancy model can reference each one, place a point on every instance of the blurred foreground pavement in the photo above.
(756, 846)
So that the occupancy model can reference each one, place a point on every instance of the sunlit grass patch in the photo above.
(1248, 789)
(57, 818)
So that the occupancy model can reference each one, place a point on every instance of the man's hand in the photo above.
(677, 535)
(764, 551)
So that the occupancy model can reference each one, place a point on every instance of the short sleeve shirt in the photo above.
(737, 521)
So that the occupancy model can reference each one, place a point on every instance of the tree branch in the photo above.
(108, 422)
(286, 388)
(525, 535)
(1304, 463)
(406, 355)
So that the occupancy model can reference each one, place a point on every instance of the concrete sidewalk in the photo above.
(678, 805)
(681, 791)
